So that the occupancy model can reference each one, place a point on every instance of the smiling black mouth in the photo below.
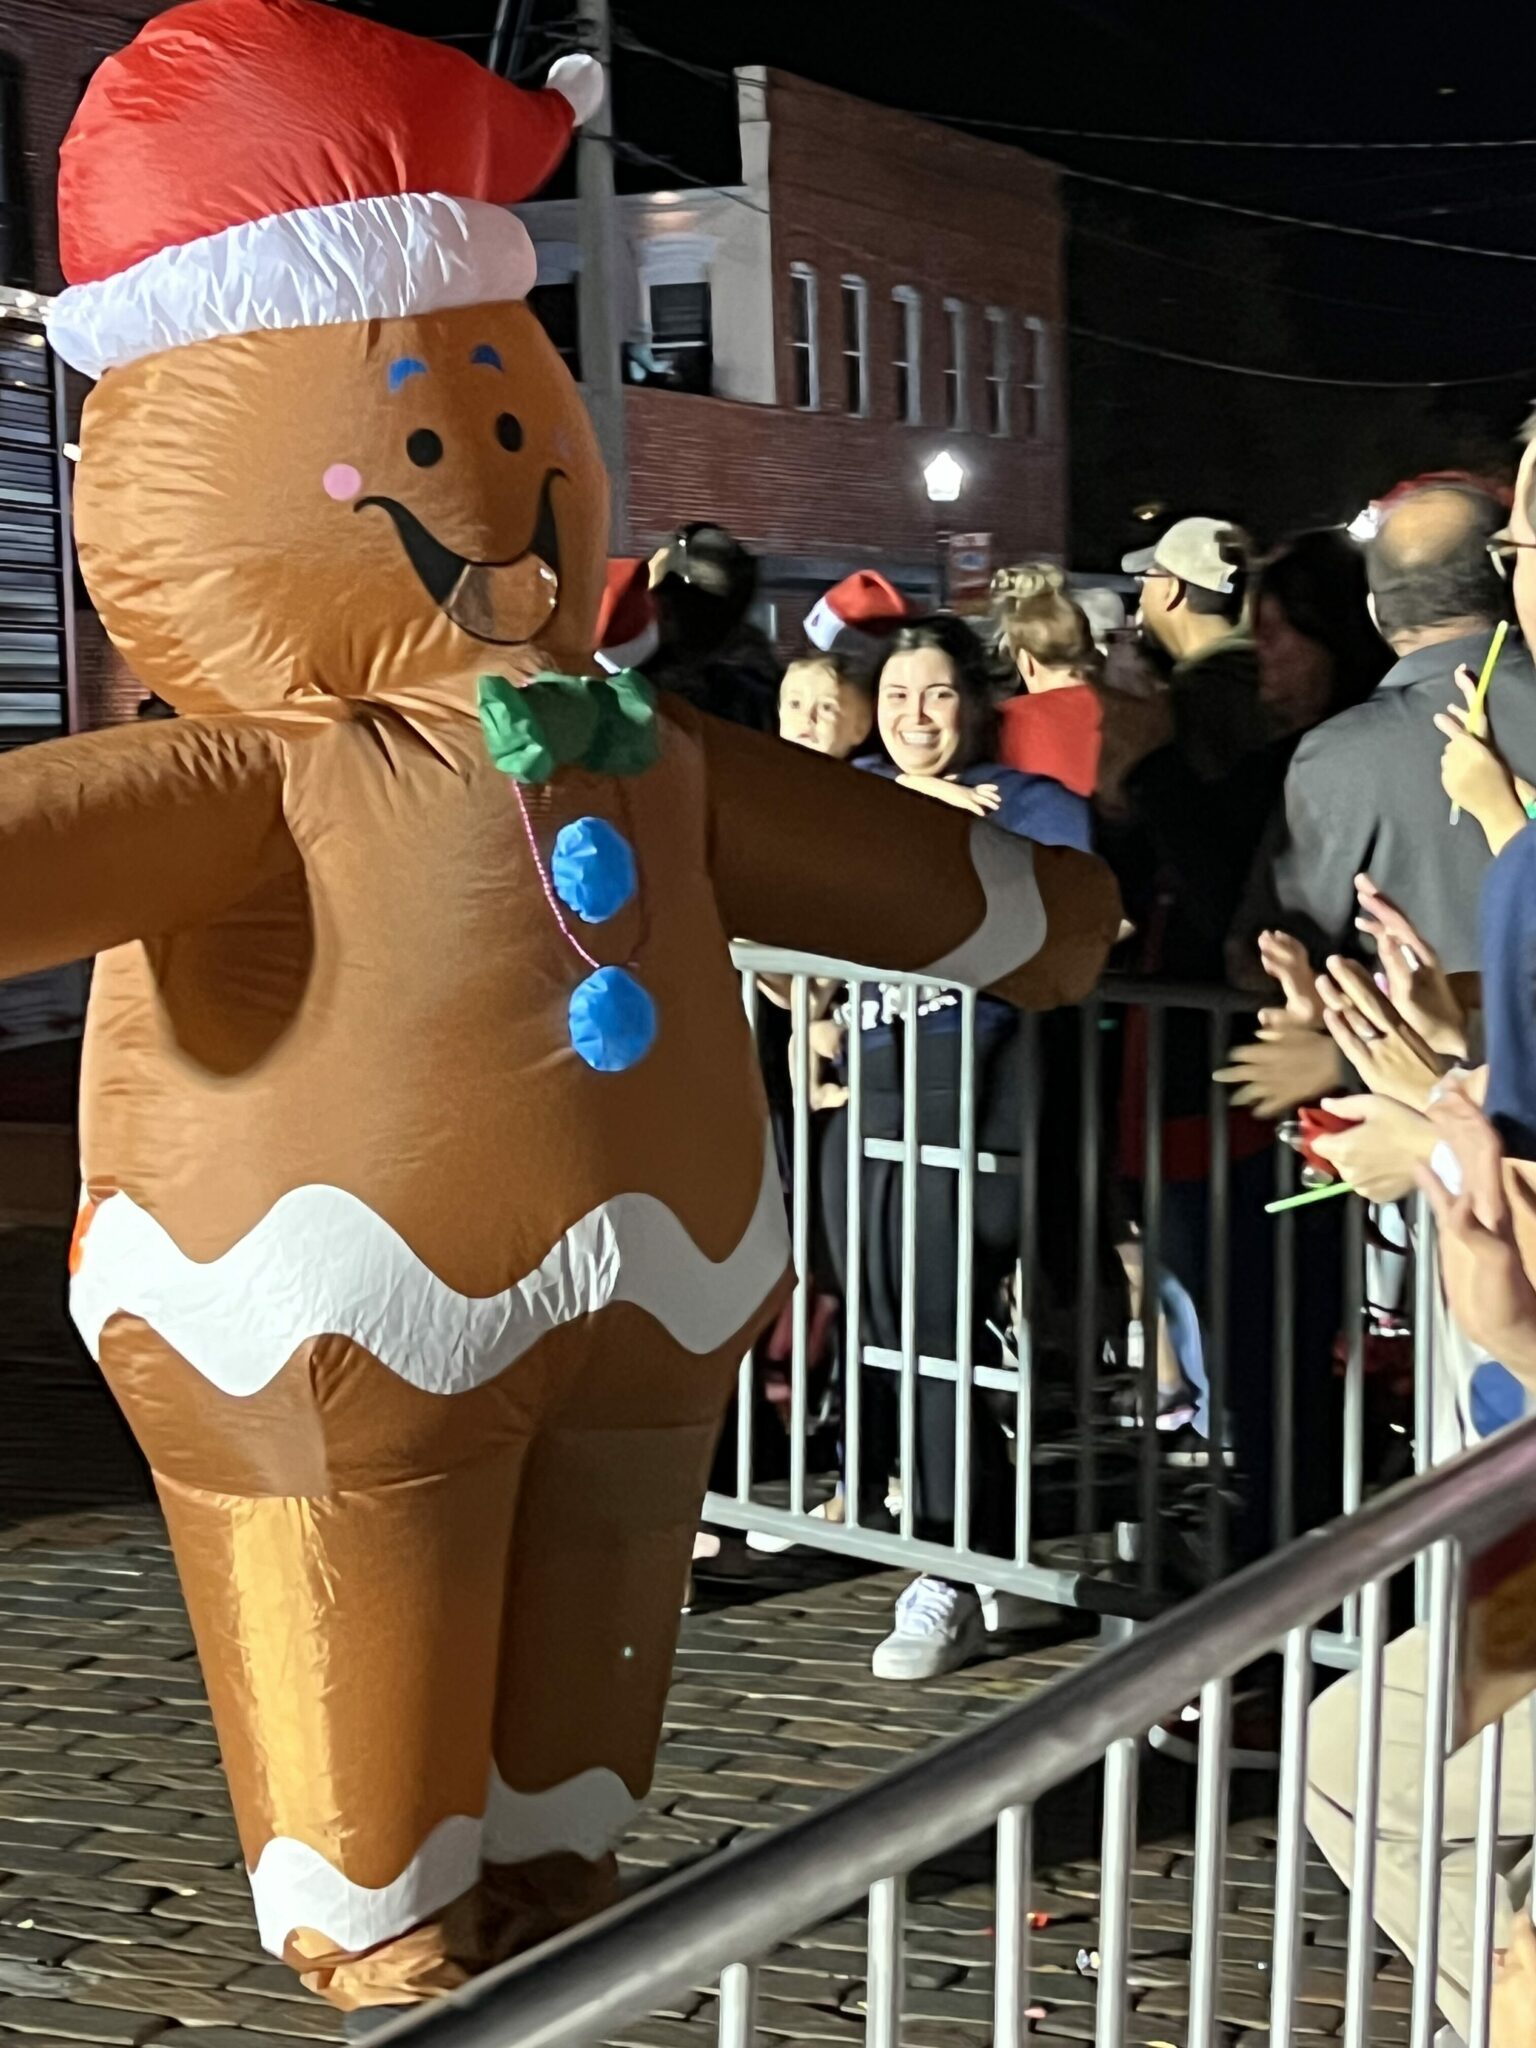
(503, 602)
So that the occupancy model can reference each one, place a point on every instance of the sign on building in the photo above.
(968, 571)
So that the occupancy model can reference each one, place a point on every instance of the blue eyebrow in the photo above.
(487, 355)
(403, 369)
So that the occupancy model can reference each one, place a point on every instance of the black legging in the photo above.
(999, 1113)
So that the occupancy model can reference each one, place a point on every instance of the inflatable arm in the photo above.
(132, 833)
(806, 855)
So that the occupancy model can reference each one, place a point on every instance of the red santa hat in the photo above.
(864, 601)
(627, 632)
(257, 164)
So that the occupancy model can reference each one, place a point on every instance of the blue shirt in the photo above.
(1508, 932)
(1033, 807)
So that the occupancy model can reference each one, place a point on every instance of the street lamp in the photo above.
(943, 480)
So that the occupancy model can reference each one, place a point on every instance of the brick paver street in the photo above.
(124, 1917)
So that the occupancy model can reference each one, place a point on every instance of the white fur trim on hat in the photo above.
(823, 624)
(323, 266)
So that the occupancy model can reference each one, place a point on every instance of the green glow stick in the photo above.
(1334, 1187)
(1477, 723)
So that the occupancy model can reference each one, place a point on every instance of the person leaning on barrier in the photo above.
(936, 719)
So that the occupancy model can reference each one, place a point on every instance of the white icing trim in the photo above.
(321, 1263)
(1012, 929)
(295, 1886)
(585, 1816)
(321, 266)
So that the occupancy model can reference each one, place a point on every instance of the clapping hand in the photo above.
(1486, 1283)
(1416, 982)
(1390, 1057)
(1285, 960)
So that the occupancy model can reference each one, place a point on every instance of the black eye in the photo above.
(424, 448)
(509, 432)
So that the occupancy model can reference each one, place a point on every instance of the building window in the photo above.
(856, 347)
(1035, 381)
(682, 334)
(909, 355)
(999, 371)
(956, 397)
(555, 308)
(802, 337)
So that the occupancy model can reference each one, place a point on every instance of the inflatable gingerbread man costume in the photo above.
(427, 1203)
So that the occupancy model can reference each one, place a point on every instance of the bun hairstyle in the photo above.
(1023, 581)
(1051, 628)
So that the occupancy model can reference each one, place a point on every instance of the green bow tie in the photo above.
(605, 723)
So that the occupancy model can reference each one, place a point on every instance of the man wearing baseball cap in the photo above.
(1192, 585)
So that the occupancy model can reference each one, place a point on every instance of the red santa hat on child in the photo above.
(627, 631)
(247, 165)
(864, 601)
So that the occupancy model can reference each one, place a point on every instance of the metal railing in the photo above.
(713, 1922)
(1107, 1512)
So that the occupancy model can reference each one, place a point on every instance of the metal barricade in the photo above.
(714, 1922)
(1107, 1513)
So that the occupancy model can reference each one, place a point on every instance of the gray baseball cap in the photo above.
(1204, 552)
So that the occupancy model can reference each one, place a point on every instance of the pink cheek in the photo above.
(341, 481)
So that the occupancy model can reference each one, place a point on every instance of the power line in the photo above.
(628, 40)
(633, 43)
(871, 257)
(1275, 285)
(1145, 348)
(1296, 220)
(1222, 141)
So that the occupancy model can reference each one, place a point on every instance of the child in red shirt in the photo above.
(1055, 726)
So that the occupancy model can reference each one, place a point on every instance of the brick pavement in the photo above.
(124, 1917)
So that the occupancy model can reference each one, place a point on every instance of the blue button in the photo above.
(1496, 1398)
(613, 1020)
(593, 869)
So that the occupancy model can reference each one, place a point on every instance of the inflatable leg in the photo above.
(606, 1515)
(342, 1539)
(349, 1647)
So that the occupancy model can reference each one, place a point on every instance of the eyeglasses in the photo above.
(1504, 553)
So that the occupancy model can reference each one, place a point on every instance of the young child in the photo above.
(826, 702)
(1056, 726)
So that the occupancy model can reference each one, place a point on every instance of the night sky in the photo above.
(1171, 277)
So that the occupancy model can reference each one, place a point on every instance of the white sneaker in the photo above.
(938, 1628)
(1011, 1613)
(769, 1545)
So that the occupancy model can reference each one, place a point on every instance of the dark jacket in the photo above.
(738, 681)
(1363, 796)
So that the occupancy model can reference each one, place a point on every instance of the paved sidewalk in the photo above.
(124, 1917)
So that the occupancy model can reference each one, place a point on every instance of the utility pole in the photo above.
(600, 281)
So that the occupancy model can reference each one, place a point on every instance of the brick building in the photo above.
(48, 49)
(875, 289)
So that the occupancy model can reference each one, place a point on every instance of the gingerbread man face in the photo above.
(370, 509)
